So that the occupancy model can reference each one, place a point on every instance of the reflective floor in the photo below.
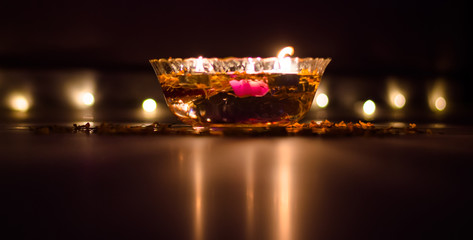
(77, 186)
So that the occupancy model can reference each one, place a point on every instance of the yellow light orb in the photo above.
(440, 103)
(321, 100)
(149, 105)
(369, 107)
(87, 98)
(19, 103)
(399, 101)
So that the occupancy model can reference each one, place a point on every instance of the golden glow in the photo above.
(437, 96)
(283, 193)
(149, 105)
(396, 93)
(19, 103)
(79, 88)
(198, 191)
(285, 51)
(322, 100)
(87, 98)
(369, 107)
(250, 190)
(250, 68)
(440, 104)
(284, 62)
(399, 101)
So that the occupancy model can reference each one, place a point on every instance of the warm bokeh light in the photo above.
(369, 107)
(399, 101)
(397, 92)
(149, 105)
(321, 100)
(19, 103)
(79, 88)
(87, 98)
(437, 95)
(440, 103)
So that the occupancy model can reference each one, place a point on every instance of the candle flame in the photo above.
(199, 65)
(284, 61)
(251, 66)
(286, 51)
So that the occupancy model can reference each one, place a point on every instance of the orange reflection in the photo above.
(250, 192)
(198, 190)
(283, 192)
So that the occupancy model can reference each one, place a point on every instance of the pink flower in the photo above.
(247, 87)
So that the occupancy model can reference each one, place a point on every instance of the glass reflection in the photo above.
(250, 191)
(263, 204)
(283, 192)
(198, 191)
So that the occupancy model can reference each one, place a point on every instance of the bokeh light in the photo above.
(440, 104)
(399, 101)
(79, 87)
(149, 105)
(321, 100)
(19, 102)
(369, 107)
(87, 98)
(437, 96)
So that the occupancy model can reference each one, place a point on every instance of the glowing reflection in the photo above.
(250, 191)
(198, 192)
(283, 192)
(369, 107)
(149, 105)
(322, 100)
(440, 103)
(19, 102)
(399, 101)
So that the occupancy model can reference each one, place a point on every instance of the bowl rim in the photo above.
(239, 58)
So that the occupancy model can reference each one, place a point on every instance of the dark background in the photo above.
(418, 41)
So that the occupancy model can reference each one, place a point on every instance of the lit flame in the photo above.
(199, 65)
(250, 68)
(286, 51)
(284, 63)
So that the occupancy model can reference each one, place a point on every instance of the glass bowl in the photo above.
(239, 91)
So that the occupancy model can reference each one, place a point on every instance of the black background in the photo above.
(387, 36)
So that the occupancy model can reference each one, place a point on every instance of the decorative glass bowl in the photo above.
(239, 91)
